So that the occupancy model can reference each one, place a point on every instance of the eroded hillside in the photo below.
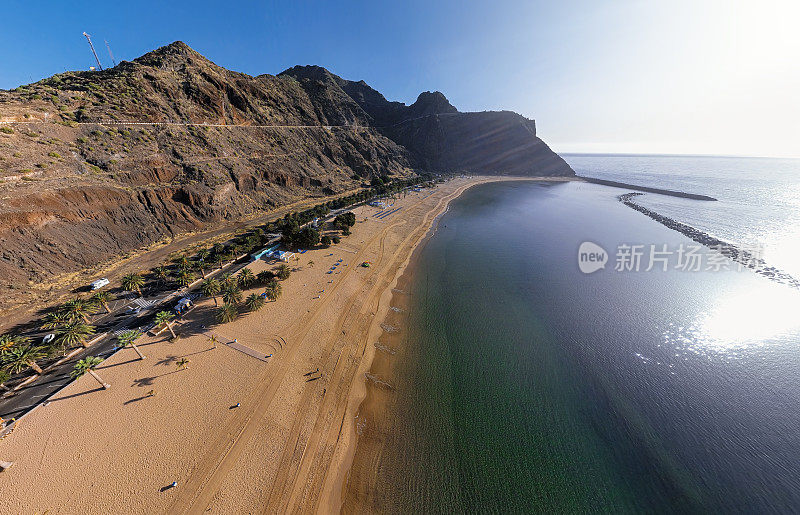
(96, 164)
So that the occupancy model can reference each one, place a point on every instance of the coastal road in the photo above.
(16, 404)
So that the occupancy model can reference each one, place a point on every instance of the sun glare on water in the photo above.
(737, 323)
(751, 319)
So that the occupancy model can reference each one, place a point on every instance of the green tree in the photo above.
(273, 290)
(20, 359)
(101, 298)
(231, 293)
(183, 262)
(264, 276)
(73, 333)
(161, 274)
(326, 241)
(9, 341)
(78, 308)
(254, 302)
(4, 376)
(246, 278)
(182, 363)
(87, 365)
(211, 288)
(127, 339)
(164, 319)
(202, 258)
(133, 282)
(185, 277)
(55, 319)
(344, 221)
(283, 272)
(227, 313)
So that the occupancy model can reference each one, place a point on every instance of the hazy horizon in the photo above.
(678, 78)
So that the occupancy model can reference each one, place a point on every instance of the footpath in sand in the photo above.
(284, 448)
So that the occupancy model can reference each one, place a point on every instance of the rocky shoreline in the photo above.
(647, 189)
(732, 252)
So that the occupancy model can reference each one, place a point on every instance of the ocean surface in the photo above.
(526, 385)
(759, 198)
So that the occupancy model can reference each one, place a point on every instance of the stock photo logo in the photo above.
(591, 257)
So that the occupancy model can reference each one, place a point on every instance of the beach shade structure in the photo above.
(5, 465)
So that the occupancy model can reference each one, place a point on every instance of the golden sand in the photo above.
(289, 444)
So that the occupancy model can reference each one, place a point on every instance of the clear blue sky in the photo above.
(681, 76)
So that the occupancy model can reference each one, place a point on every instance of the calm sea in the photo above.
(525, 385)
(759, 198)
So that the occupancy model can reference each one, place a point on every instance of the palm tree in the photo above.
(311, 264)
(88, 364)
(9, 341)
(218, 249)
(133, 282)
(164, 318)
(55, 319)
(273, 290)
(202, 256)
(20, 359)
(211, 288)
(214, 340)
(78, 308)
(227, 313)
(283, 272)
(264, 276)
(226, 278)
(126, 339)
(246, 277)
(254, 302)
(216, 260)
(161, 274)
(182, 363)
(185, 277)
(101, 298)
(4, 376)
(73, 333)
(183, 262)
(231, 293)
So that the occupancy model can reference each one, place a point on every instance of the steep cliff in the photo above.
(443, 139)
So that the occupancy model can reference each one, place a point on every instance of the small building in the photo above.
(264, 253)
(96, 285)
(284, 255)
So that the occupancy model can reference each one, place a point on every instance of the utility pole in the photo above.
(93, 52)
(110, 54)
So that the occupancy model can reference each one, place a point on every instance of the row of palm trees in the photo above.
(71, 327)
(231, 288)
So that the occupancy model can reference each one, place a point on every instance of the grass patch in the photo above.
(6, 130)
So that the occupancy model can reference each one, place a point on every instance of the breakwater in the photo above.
(729, 250)
(648, 189)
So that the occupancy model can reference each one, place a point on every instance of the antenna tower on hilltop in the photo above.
(93, 52)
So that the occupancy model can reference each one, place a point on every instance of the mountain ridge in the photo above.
(220, 160)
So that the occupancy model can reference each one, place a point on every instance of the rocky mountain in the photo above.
(440, 138)
(100, 163)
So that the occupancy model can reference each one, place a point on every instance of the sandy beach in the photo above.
(289, 443)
